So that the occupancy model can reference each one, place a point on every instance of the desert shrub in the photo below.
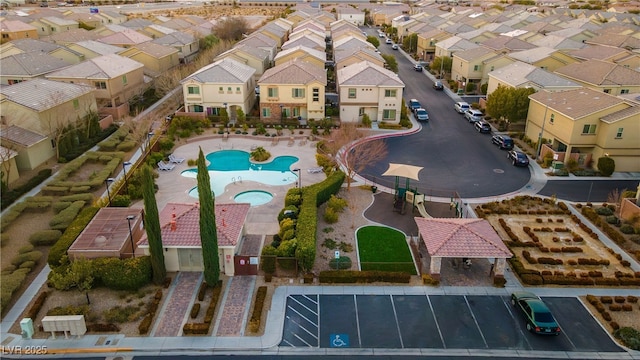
(606, 299)
(35, 307)
(256, 314)
(619, 299)
(592, 299)
(28, 256)
(127, 274)
(330, 215)
(606, 316)
(629, 336)
(342, 263)
(627, 307)
(615, 307)
(202, 292)
(145, 324)
(606, 166)
(627, 229)
(604, 211)
(336, 203)
(632, 299)
(45, 237)
(69, 310)
(195, 310)
(120, 314)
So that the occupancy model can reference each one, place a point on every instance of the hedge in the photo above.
(145, 324)
(33, 311)
(7, 218)
(28, 256)
(45, 237)
(59, 249)
(86, 197)
(629, 336)
(64, 218)
(10, 196)
(350, 277)
(256, 314)
(11, 283)
(127, 274)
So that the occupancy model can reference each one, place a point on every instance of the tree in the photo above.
(373, 40)
(208, 41)
(441, 63)
(392, 63)
(78, 275)
(208, 231)
(410, 43)
(152, 226)
(358, 155)
(606, 166)
(231, 28)
(7, 152)
(509, 103)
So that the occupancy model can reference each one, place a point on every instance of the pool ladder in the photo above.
(239, 179)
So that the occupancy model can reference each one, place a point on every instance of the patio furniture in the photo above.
(175, 160)
(315, 170)
(165, 166)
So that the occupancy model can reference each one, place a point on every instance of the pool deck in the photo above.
(261, 219)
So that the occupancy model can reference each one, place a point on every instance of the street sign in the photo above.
(337, 254)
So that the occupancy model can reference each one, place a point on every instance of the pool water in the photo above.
(253, 197)
(233, 166)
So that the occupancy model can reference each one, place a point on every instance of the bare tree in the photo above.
(7, 151)
(348, 147)
(231, 28)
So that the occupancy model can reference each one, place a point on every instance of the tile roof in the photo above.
(71, 36)
(520, 73)
(615, 40)
(98, 47)
(7, 154)
(530, 56)
(471, 238)
(126, 37)
(34, 45)
(367, 74)
(351, 43)
(294, 72)
(558, 42)
(254, 52)
(362, 53)
(258, 40)
(155, 50)
(227, 70)
(455, 43)
(596, 52)
(474, 54)
(42, 94)
(21, 136)
(137, 23)
(600, 73)
(59, 21)
(230, 219)
(507, 42)
(305, 41)
(102, 67)
(14, 26)
(175, 39)
(320, 55)
(578, 103)
(623, 114)
(30, 64)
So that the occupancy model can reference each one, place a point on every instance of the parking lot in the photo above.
(434, 321)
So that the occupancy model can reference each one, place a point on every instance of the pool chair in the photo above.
(175, 160)
(315, 170)
(165, 166)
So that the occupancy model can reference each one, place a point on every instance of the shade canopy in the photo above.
(403, 170)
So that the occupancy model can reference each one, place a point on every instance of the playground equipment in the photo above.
(417, 200)
(408, 172)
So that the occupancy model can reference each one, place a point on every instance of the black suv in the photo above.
(504, 142)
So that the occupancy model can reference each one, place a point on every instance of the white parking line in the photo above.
(395, 315)
(435, 320)
(476, 321)
(302, 327)
(513, 316)
(355, 304)
(314, 312)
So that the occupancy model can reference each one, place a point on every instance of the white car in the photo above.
(394, 46)
(461, 107)
(473, 115)
(388, 41)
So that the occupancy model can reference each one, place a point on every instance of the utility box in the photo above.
(557, 166)
(26, 325)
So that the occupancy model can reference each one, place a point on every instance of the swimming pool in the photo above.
(253, 197)
(233, 166)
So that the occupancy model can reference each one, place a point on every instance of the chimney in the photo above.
(174, 225)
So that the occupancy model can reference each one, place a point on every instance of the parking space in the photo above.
(435, 321)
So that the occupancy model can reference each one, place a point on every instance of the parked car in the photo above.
(417, 67)
(518, 158)
(473, 115)
(422, 114)
(394, 46)
(438, 85)
(381, 34)
(504, 142)
(388, 41)
(482, 126)
(413, 105)
(537, 315)
(461, 107)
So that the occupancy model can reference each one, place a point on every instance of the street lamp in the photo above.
(108, 182)
(226, 120)
(299, 171)
(124, 169)
(281, 114)
(133, 250)
(149, 136)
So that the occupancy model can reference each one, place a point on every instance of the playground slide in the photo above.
(423, 212)
(418, 202)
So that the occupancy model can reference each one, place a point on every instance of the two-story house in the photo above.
(585, 125)
(28, 66)
(225, 84)
(16, 29)
(257, 58)
(294, 89)
(114, 78)
(157, 59)
(522, 75)
(316, 57)
(603, 76)
(366, 88)
(467, 66)
(544, 58)
(53, 25)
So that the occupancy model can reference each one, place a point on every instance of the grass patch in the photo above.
(384, 249)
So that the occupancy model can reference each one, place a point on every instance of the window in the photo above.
(553, 116)
(238, 90)
(607, 91)
(193, 90)
(286, 112)
(352, 93)
(296, 112)
(220, 89)
(266, 112)
(124, 79)
(361, 111)
(476, 67)
(619, 133)
(76, 104)
(101, 85)
(624, 91)
(390, 93)
(5, 36)
(272, 92)
(588, 129)
(229, 89)
(297, 93)
(198, 108)
(316, 94)
(492, 67)
(388, 114)
(11, 82)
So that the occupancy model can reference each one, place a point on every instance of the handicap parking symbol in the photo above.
(338, 340)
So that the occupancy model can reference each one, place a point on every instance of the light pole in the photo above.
(226, 121)
(124, 169)
(108, 182)
(544, 121)
(441, 65)
(149, 136)
(133, 250)
(281, 114)
(299, 171)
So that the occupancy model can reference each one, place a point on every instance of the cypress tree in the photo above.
(152, 226)
(208, 231)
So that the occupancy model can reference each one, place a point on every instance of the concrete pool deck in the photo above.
(262, 219)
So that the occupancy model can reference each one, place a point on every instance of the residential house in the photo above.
(225, 84)
(317, 35)
(16, 29)
(125, 38)
(603, 76)
(28, 66)
(156, 31)
(350, 14)
(25, 150)
(447, 47)
(255, 57)
(314, 25)
(585, 125)
(86, 20)
(181, 236)
(494, 63)
(467, 66)
(186, 44)
(366, 88)
(345, 32)
(557, 42)
(157, 59)
(427, 42)
(614, 55)
(385, 14)
(41, 47)
(575, 34)
(114, 78)
(275, 32)
(507, 44)
(72, 36)
(312, 42)
(298, 16)
(91, 48)
(346, 55)
(292, 90)
(522, 75)
(174, 23)
(543, 57)
(302, 53)
(36, 111)
(261, 41)
(112, 17)
(624, 41)
(53, 25)
(8, 168)
(136, 23)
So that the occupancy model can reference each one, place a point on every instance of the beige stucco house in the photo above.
(26, 150)
(312, 56)
(603, 76)
(53, 25)
(16, 29)
(257, 58)
(585, 125)
(467, 66)
(522, 75)
(157, 59)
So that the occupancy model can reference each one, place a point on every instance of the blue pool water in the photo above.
(253, 197)
(233, 166)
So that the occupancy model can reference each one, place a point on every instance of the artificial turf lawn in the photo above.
(384, 249)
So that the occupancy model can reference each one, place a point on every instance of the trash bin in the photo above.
(374, 189)
(556, 166)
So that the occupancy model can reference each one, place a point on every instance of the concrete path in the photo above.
(176, 309)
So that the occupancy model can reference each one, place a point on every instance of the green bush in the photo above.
(606, 166)
(292, 199)
(29, 256)
(70, 310)
(627, 229)
(9, 197)
(629, 336)
(256, 314)
(268, 260)
(260, 154)
(287, 248)
(28, 265)
(336, 203)
(79, 189)
(11, 283)
(61, 205)
(63, 219)
(351, 276)
(25, 249)
(342, 263)
(604, 211)
(86, 197)
(127, 274)
(121, 201)
(120, 314)
(291, 210)
(330, 215)
(195, 310)
(126, 145)
(45, 237)
(58, 252)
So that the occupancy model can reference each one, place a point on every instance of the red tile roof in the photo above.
(471, 238)
(230, 219)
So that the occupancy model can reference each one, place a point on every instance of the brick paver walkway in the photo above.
(236, 305)
(178, 305)
(251, 245)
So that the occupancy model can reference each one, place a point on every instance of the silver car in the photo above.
(473, 115)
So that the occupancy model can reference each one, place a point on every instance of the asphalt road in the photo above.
(436, 322)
